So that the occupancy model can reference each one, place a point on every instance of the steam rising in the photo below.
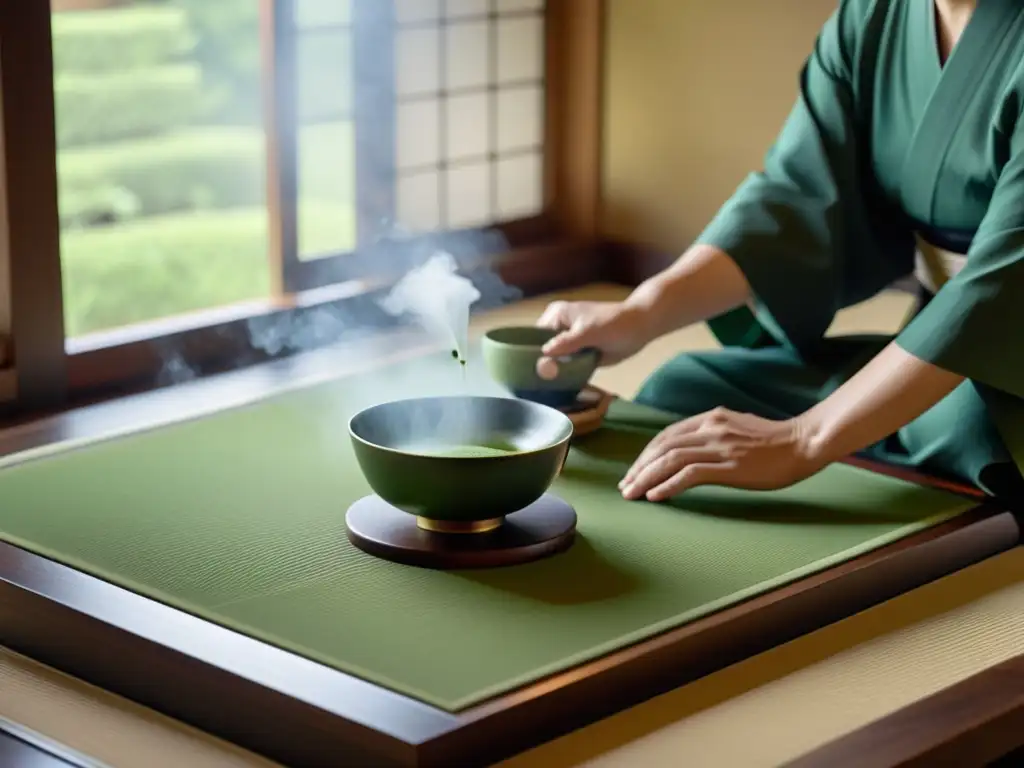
(440, 279)
(436, 282)
(296, 333)
(439, 299)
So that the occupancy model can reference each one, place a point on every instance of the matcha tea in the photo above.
(471, 452)
(491, 450)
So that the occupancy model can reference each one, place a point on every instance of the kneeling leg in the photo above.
(772, 383)
(957, 439)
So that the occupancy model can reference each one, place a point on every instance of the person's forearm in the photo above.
(884, 396)
(702, 284)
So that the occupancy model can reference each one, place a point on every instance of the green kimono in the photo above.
(885, 144)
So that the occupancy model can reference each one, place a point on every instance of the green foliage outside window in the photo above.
(162, 162)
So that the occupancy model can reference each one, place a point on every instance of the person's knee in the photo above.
(771, 382)
(680, 386)
(944, 427)
(685, 386)
(955, 438)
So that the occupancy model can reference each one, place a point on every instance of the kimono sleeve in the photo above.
(975, 324)
(802, 230)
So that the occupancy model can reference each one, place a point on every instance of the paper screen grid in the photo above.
(470, 112)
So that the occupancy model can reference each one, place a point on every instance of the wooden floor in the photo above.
(801, 695)
(784, 703)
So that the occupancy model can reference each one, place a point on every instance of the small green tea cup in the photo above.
(511, 355)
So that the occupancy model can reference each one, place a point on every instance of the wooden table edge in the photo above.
(970, 724)
(197, 671)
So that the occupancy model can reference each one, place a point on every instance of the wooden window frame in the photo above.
(374, 29)
(554, 250)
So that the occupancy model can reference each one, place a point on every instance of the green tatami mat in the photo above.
(238, 517)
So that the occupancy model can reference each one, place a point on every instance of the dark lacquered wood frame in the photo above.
(29, 222)
(553, 250)
(14, 751)
(22, 747)
(296, 711)
(977, 722)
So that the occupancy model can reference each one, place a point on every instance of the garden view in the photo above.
(162, 154)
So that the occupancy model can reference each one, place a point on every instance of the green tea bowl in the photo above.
(510, 355)
(460, 464)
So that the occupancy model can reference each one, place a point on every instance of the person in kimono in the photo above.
(904, 154)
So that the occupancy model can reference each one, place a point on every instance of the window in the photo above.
(469, 90)
(217, 161)
(444, 100)
(161, 159)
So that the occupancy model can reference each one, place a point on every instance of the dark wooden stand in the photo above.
(546, 527)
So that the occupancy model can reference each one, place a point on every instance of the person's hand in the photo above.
(721, 447)
(611, 327)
